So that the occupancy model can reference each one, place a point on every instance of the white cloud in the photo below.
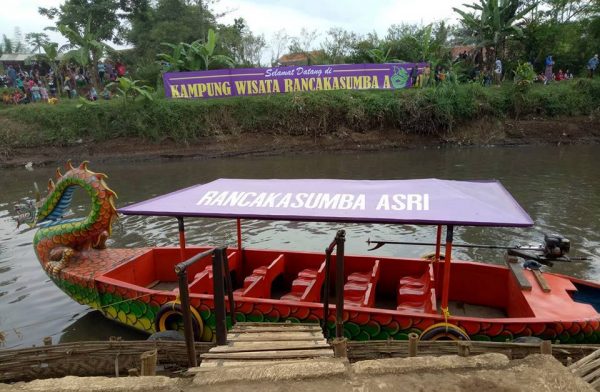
(269, 16)
(24, 15)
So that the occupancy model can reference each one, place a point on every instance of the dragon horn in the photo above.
(50, 185)
(68, 165)
(83, 165)
(58, 173)
(101, 176)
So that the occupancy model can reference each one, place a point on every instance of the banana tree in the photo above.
(176, 60)
(195, 56)
(492, 22)
(380, 56)
(86, 48)
(50, 56)
(130, 89)
(201, 54)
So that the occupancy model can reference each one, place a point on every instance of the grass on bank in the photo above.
(430, 111)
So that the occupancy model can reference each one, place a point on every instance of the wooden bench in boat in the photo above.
(360, 288)
(258, 284)
(417, 293)
(307, 286)
(203, 281)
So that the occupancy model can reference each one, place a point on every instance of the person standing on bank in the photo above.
(498, 72)
(549, 64)
(592, 65)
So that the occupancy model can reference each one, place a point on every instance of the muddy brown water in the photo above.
(559, 186)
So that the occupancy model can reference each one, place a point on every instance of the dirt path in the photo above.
(487, 372)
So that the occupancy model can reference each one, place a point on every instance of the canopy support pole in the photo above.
(181, 238)
(340, 239)
(239, 234)
(240, 255)
(447, 261)
(438, 246)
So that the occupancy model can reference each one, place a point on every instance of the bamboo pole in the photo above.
(148, 359)
(413, 340)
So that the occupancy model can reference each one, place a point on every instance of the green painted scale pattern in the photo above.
(75, 234)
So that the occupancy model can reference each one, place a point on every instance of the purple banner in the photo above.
(258, 81)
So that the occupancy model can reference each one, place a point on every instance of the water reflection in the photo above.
(103, 329)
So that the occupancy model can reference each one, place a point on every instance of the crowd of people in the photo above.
(548, 74)
(37, 84)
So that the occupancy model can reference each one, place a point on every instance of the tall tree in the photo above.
(238, 42)
(104, 15)
(304, 43)
(338, 44)
(18, 42)
(7, 45)
(168, 21)
(279, 43)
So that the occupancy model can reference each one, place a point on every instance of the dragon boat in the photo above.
(383, 297)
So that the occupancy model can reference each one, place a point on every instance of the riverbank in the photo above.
(566, 112)
(533, 131)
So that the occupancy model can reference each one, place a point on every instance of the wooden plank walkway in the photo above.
(253, 343)
(588, 368)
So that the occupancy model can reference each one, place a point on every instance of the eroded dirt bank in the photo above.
(568, 130)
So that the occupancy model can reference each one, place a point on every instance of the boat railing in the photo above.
(337, 244)
(221, 283)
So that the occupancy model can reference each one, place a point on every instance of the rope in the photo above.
(446, 313)
(15, 329)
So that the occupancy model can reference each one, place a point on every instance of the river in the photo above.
(559, 186)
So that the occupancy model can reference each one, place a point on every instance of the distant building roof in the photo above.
(455, 51)
(299, 58)
(15, 57)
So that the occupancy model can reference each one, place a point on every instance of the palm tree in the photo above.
(492, 22)
(36, 40)
(7, 47)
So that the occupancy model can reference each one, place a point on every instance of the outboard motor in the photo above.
(556, 246)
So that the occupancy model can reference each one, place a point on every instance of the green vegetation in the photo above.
(432, 111)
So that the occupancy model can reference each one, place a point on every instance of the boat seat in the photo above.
(426, 306)
(360, 288)
(307, 287)
(372, 276)
(203, 281)
(417, 293)
(258, 284)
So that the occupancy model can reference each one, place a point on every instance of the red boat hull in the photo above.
(384, 297)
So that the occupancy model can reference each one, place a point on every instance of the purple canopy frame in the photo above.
(420, 201)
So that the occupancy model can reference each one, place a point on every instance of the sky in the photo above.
(269, 16)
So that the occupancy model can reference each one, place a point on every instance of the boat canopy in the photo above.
(420, 201)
